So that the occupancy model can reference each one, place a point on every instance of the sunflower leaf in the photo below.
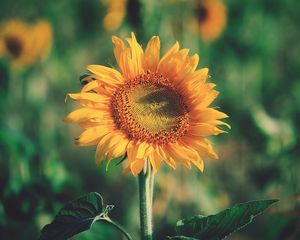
(75, 217)
(181, 238)
(220, 225)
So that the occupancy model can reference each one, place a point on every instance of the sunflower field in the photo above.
(185, 119)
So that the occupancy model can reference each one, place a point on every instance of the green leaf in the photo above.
(182, 238)
(75, 217)
(220, 225)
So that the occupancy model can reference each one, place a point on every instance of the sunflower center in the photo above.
(150, 109)
(14, 46)
(201, 12)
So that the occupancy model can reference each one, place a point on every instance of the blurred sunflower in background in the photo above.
(25, 44)
(42, 39)
(116, 11)
(155, 108)
(211, 18)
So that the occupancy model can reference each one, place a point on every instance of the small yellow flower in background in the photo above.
(116, 11)
(153, 108)
(14, 41)
(42, 37)
(211, 18)
(24, 44)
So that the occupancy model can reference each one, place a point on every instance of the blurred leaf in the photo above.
(220, 225)
(182, 238)
(75, 217)
(4, 77)
(55, 172)
(98, 231)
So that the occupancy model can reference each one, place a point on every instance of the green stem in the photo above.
(119, 227)
(146, 193)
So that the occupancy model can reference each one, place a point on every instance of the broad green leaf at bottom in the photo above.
(182, 238)
(220, 225)
(75, 217)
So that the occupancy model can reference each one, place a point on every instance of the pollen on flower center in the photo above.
(150, 109)
(14, 46)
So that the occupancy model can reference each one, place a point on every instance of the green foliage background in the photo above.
(255, 64)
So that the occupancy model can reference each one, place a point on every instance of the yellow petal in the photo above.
(155, 161)
(170, 52)
(206, 99)
(201, 95)
(117, 146)
(119, 149)
(188, 67)
(199, 76)
(201, 145)
(136, 55)
(208, 114)
(112, 145)
(178, 154)
(203, 130)
(118, 49)
(137, 153)
(152, 54)
(107, 142)
(90, 86)
(173, 65)
(101, 155)
(111, 76)
(166, 157)
(182, 152)
(123, 57)
(218, 122)
(83, 114)
(131, 151)
(97, 85)
(137, 166)
(91, 136)
(142, 150)
(90, 99)
(199, 164)
(97, 122)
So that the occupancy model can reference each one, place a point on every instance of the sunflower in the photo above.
(41, 39)
(211, 18)
(116, 11)
(22, 43)
(14, 41)
(153, 109)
